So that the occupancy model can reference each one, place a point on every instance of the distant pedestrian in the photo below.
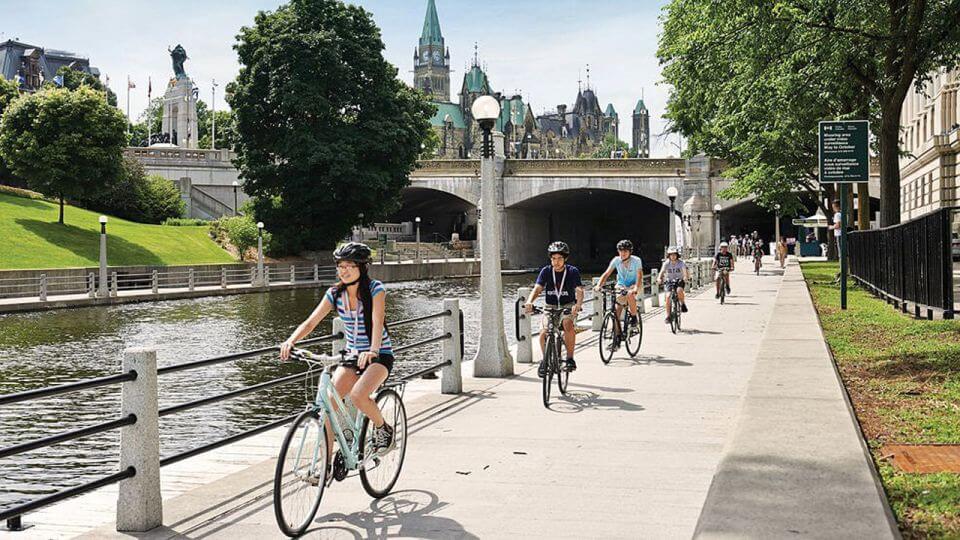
(782, 251)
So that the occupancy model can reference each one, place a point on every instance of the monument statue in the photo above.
(178, 55)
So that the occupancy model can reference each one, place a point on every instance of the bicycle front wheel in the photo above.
(634, 335)
(608, 333)
(382, 469)
(563, 376)
(549, 360)
(301, 474)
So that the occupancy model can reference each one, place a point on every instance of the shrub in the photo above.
(25, 193)
(238, 231)
(137, 197)
(160, 200)
(185, 222)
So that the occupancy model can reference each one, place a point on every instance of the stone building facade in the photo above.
(641, 130)
(930, 140)
(30, 65)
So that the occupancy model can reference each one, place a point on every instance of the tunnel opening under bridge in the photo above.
(441, 214)
(591, 221)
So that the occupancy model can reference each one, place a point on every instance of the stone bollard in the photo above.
(223, 277)
(597, 321)
(114, 286)
(43, 288)
(642, 294)
(451, 378)
(338, 344)
(190, 279)
(525, 339)
(266, 276)
(253, 276)
(139, 504)
(154, 282)
(654, 289)
(293, 274)
(316, 273)
(91, 285)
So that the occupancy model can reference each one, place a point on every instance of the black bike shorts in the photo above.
(668, 286)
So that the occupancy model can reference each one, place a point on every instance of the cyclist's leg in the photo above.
(569, 337)
(681, 296)
(618, 312)
(373, 376)
(667, 302)
(543, 340)
(632, 303)
(344, 379)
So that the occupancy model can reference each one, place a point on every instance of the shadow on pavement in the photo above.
(577, 400)
(695, 331)
(410, 510)
(647, 360)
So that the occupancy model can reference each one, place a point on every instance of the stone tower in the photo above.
(431, 59)
(180, 105)
(641, 130)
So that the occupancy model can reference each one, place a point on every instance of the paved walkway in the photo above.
(704, 433)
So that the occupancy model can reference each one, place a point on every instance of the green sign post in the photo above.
(844, 159)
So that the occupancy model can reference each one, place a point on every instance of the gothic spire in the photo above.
(431, 34)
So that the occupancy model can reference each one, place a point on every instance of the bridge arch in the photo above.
(441, 213)
(518, 189)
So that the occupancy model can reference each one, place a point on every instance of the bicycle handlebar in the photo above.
(324, 360)
(539, 310)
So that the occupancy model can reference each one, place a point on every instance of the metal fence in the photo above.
(145, 375)
(907, 263)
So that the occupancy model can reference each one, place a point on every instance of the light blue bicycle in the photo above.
(307, 465)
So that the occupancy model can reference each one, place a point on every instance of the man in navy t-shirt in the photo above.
(562, 286)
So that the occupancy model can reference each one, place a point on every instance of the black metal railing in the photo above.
(907, 263)
(12, 515)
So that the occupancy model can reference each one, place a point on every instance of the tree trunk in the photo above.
(889, 145)
(61, 209)
(863, 194)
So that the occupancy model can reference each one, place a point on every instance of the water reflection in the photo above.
(43, 349)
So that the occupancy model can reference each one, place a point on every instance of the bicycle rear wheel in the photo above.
(549, 360)
(563, 376)
(381, 472)
(608, 333)
(301, 474)
(634, 334)
(723, 290)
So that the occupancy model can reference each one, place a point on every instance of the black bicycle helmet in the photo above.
(352, 251)
(625, 244)
(559, 247)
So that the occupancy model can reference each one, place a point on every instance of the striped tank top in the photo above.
(354, 327)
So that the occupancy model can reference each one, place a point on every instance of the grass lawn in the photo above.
(903, 376)
(33, 239)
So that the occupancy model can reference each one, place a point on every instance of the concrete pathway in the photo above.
(633, 451)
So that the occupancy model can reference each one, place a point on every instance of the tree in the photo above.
(63, 143)
(74, 78)
(226, 132)
(8, 93)
(325, 129)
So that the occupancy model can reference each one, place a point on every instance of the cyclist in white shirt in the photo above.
(629, 270)
(675, 273)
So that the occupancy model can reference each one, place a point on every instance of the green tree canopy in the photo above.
(325, 129)
(62, 142)
(73, 79)
(610, 144)
(8, 93)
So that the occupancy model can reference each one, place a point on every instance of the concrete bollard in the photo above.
(190, 279)
(139, 504)
(597, 321)
(253, 277)
(91, 285)
(451, 377)
(43, 288)
(654, 289)
(642, 294)
(155, 282)
(293, 273)
(338, 344)
(266, 276)
(223, 277)
(316, 273)
(114, 286)
(525, 344)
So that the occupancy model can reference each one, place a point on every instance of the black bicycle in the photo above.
(612, 332)
(675, 308)
(722, 283)
(551, 354)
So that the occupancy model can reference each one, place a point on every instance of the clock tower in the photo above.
(431, 59)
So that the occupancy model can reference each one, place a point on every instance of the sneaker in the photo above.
(717, 295)
(382, 437)
(571, 365)
(728, 289)
(542, 370)
(667, 319)
(614, 345)
(683, 308)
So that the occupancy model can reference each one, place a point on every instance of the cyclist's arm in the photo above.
(534, 294)
(579, 295)
(603, 278)
(306, 326)
(379, 310)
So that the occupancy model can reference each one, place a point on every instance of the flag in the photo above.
(149, 88)
(58, 80)
(130, 84)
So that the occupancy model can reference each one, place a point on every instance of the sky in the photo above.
(540, 48)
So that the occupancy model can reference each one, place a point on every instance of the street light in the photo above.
(103, 290)
(776, 223)
(672, 193)
(260, 279)
(716, 212)
(417, 221)
(236, 206)
(493, 357)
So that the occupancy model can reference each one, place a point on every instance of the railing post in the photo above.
(654, 289)
(91, 285)
(43, 288)
(223, 277)
(641, 294)
(155, 282)
(190, 279)
(525, 339)
(597, 321)
(316, 273)
(266, 276)
(139, 504)
(293, 274)
(339, 343)
(253, 276)
(114, 285)
(451, 378)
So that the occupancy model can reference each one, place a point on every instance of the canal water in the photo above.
(56, 347)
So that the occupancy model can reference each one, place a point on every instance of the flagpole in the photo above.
(128, 110)
(149, 111)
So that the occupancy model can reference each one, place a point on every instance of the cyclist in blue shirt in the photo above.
(629, 269)
(561, 282)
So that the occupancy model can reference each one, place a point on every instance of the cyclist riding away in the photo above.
(361, 305)
(629, 268)
(561, 282)
(723, 261)
(675, 273)
(757, 255)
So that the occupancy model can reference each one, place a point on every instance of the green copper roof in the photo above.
(640, 108)
(444, 109)
(511, 110)
(610, 112)
(431, 34)
(476, 81)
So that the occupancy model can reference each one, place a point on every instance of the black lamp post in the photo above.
(236, 206)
